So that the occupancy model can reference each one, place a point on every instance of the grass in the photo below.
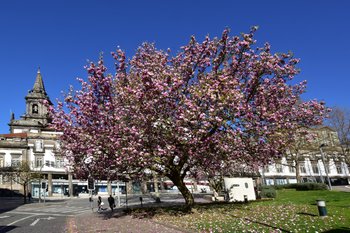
(291, 211)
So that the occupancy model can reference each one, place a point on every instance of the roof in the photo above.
(38, 91)
(39, 84)
(14, 135)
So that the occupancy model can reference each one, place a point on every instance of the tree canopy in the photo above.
(216, 102)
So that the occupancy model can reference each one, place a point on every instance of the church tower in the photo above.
(36, 115)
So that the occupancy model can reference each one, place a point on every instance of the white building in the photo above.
(30, 139)
(307, 157)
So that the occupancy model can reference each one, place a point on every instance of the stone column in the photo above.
(109, 187)
(195, 186)
(49, 183)
(162, 184)
(70, 184)
(144, 186)
(155, 183)
(156, 190)
(129, 187)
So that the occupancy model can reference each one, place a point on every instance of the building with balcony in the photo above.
(310, 161)
(32, 141)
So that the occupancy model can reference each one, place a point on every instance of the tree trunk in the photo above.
(215, 183)
(187, 195)
(297, 171)
(25, 193)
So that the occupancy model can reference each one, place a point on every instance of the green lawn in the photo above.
(291, 211)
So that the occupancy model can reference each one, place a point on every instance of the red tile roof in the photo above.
(14, 135)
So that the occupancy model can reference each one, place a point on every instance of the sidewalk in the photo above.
(119, 221)
(108, 222)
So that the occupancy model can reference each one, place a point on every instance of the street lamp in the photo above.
(322, 156)
(87, 162)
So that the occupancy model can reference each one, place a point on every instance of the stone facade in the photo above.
(315, 159)
(31, 139)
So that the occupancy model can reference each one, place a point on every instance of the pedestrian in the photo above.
(29, 197)
(99, 204)
(111, 202)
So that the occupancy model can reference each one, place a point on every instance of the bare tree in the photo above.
(339, 120)
(296, 150)
(23, 175)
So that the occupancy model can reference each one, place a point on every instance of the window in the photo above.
(15, 160)
(59, 162)
(315, 168)
(266, 168)
(39, 147)
(326, 166)
(38, 161)
(291, 167)
(35, 109)
(280, 181)
(279, 168)
(339, 168)
(17, 179)
(302, 167)
(2, 162)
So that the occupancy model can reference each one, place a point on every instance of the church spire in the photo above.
(39, 84)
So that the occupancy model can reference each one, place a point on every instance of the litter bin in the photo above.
(321, 205)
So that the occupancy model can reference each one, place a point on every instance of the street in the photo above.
(42, 217)
(54, 214)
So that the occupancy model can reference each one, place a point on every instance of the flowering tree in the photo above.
(213, 103)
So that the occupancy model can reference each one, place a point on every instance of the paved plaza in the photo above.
(76, 215)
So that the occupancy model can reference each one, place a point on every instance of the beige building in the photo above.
(316, 161)
(31, 140)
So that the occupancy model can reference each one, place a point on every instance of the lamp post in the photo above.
(87, 162)
(322, 156)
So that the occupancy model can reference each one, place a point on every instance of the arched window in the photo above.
(35, 108)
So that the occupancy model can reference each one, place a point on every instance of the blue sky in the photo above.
(61, 35)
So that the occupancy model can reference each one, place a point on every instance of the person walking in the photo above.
(111, 202)
(29, 197)
(99, 204)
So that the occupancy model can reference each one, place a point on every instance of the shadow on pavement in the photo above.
(4, 229)
(10, 203)
(107, 214)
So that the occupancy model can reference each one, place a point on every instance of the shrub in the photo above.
(268, 192)
(311, 186)
(303, 186)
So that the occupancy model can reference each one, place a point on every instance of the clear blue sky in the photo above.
(61, 35)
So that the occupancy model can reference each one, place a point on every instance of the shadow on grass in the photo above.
(264, 224)
(307, 214)
(339, 230)
(172, 209)
(149, 210)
